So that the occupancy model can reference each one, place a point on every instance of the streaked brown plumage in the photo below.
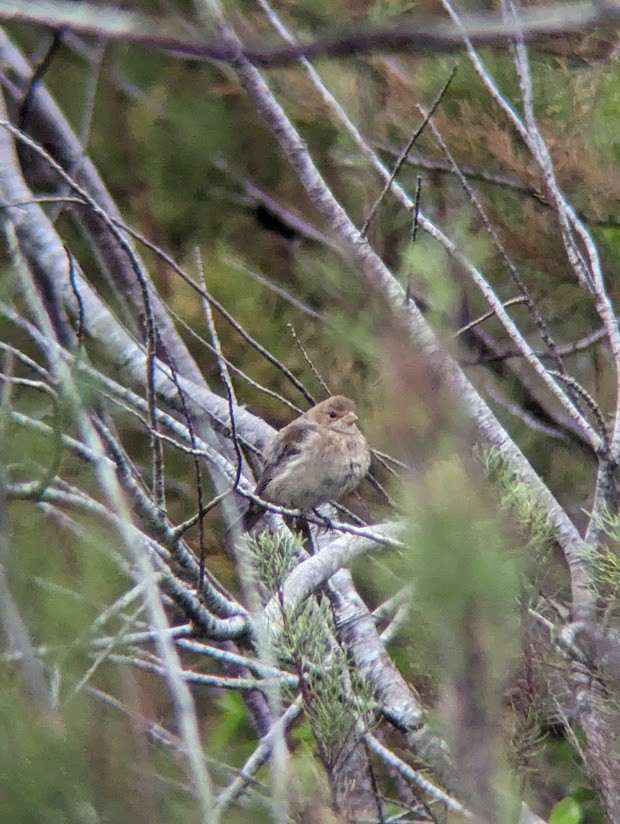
(319, 457)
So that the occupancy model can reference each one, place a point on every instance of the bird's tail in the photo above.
(252, 516)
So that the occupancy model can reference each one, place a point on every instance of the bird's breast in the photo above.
(328, 466)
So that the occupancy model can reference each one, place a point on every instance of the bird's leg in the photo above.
(328, 524)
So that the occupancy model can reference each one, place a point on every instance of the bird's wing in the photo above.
(287, 444)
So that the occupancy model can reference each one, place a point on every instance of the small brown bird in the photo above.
(319, 457)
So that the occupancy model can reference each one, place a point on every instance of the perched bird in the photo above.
(319, 457)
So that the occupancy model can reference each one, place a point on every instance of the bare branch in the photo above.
(436, 35)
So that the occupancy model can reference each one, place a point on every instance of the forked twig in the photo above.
(405, 152)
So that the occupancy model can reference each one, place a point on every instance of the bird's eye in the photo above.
(333, 414)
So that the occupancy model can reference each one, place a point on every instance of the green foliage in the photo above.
(36, 754)
(382, 10)
(231, 723)
(79, 764)
(429, 270)
(273, 558)
(335, 698)
(566, 811)
(516, 498)
(458, 550)
(606, 561)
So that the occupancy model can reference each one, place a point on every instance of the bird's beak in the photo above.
(352, 417)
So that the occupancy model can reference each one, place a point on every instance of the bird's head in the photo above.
(337, 412)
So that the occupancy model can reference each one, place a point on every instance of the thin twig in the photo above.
(230, 396)
(414, 232)
(525, 417)
(215, 304)
(79, 326)
(36, 76)
(258, 386)
(181, 529)
(590, 403)
(259, 756)
(273, 287)
(219, 681)
(224, 374)
(197, 473)
(565, 350)
(213, 596)
(34, 490)
(105, 653)
(96, 63)
(403, 156)
(308, 360)
(486, 316)
(416, 777)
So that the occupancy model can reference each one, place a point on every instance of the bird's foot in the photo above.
(327, 523)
